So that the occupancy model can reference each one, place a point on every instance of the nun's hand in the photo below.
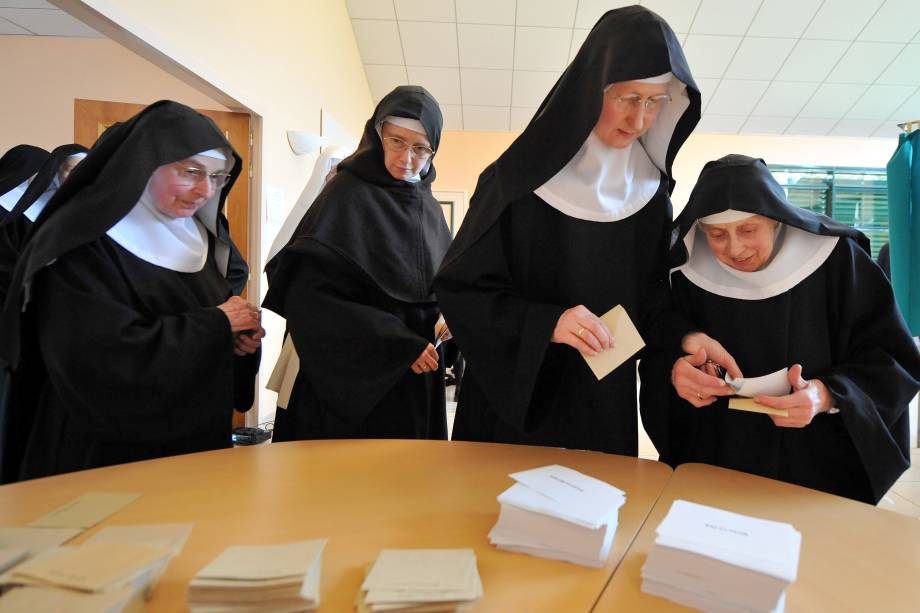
(248, 342)
(580, 328)
(242, 315)
(694, 383)
(427, 361)
(808, 398)
(715, 353)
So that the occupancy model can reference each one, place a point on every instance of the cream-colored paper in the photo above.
(285, 372)
(165, 536)
(432, 570)
(36, 539)
(92, 568)
(748, 404)
(11, 556)
(85, 511)
(257, 562)
(627, 342)
(35, 599)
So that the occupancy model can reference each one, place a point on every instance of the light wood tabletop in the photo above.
(854, 557)
(363, 496)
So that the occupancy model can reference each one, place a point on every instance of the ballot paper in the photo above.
(717, 560)
(11, 556)
(627, 342)
(270, 578)
(36, 599)
(35, 539)
(774, 384)
(171, 537)
(559, 513)
(421, 580)
(85, 511)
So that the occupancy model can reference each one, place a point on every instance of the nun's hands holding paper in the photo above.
(808, 398)
(426, 362)
(696, 375)
(583, 330)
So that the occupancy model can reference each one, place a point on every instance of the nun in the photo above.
(18, 167)
(572, 220)
(354, 284)
(782, 287)
(122, 289)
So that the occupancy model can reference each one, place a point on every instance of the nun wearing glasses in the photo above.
(123, 290)
(354, 284)
(572, 220)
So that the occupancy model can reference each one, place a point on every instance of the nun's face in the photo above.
(405, 151)
(745, 245)
(66, 166)
(630, 109)
(181, 188)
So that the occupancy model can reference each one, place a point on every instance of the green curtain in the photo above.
(904, 226)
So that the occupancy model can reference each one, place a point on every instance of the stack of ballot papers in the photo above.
(558, 513)
(719, 561)
(270, 578)
(421, 580)
(112, 575)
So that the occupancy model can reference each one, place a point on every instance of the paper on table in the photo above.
(421, 569)
(627, 342)
(93, 567)
(761, 545)
(11, 556)
(85, 511)
(774, 384)
(30, 599)
(570, 495)
(257, 562)
(36, 539)
(164, 536)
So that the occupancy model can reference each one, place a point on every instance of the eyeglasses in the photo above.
(631, 103)
(420, 152)
(189, 175)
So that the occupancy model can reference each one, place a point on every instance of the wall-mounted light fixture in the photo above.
(303, 142)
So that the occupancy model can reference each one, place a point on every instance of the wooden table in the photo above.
(854, 557)
(361, 495)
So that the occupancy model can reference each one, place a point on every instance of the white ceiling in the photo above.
(38, 18)
(805, 67)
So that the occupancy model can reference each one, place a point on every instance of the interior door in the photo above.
(92, 117)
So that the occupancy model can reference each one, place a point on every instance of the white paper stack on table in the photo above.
(107, 576)
(421, 581)
(719, 561)
(271, 578)
(558, 513)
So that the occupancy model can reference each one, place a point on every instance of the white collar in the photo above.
(9, 199)
(176, 243)
(38, 206)
(797, 255)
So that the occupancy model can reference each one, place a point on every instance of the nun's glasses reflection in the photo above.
(190, 175)
(632, 102)
(420, 152)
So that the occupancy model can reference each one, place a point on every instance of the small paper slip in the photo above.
(262, 562)
(748, 404)
(35, 539)
(92, 568)
(418, 580)
(11, 556)
(761, 545)
(171, 537)
(565, 493)
(774, 384)
(85, 511)
(627, 342)
(34, 599)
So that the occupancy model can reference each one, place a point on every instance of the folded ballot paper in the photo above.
(719, 561)
(270, 578)
(558, 513)
(421, 580)
(774, 384)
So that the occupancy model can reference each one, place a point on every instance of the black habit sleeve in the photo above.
(346, 330)
(877, 367)
(503, 334)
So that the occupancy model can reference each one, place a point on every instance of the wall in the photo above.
(43, 74)
(462, 156)
(282, 60)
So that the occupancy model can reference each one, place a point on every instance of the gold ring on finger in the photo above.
(580, 330)
(699, 395)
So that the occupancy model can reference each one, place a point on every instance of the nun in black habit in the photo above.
(572, 220)
(18, 167)
(780, 286)
(122, 287)
(354, 284)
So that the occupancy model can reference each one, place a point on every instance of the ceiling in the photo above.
(802, 67)
(38, 18)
